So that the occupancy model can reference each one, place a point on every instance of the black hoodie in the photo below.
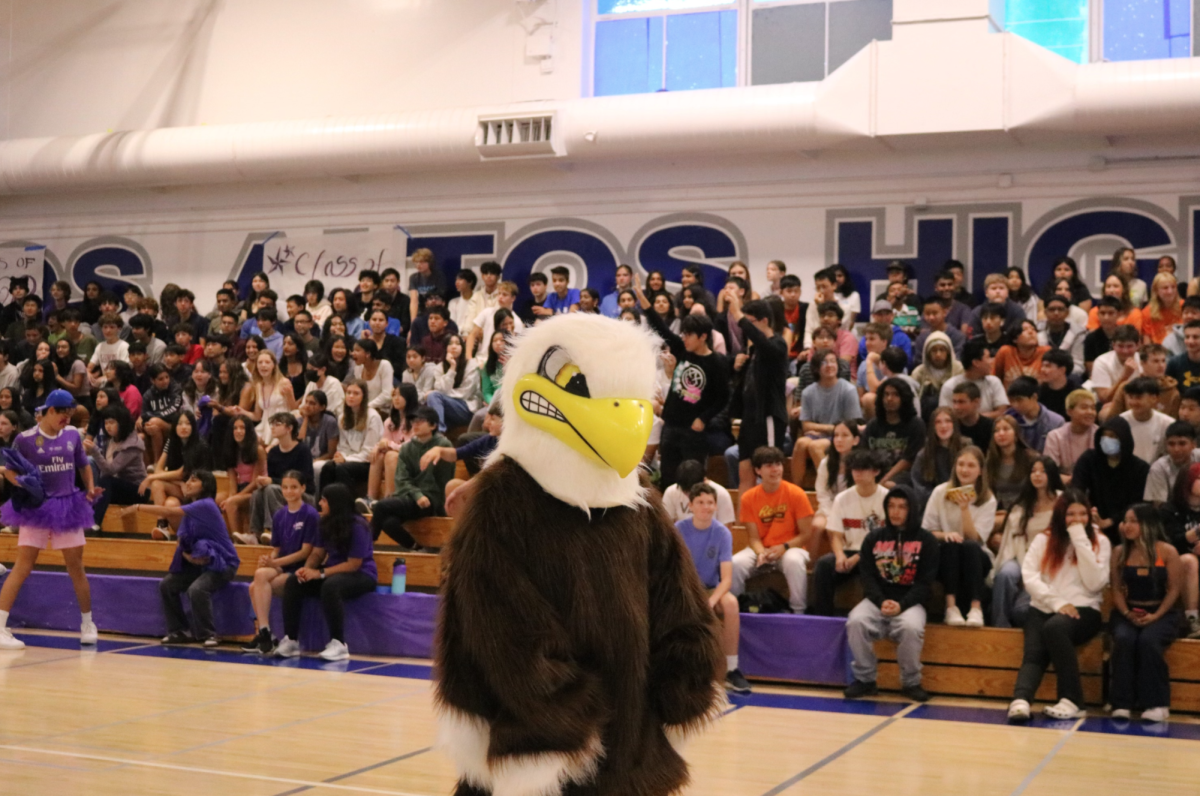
(1112, 489)
(899, 563)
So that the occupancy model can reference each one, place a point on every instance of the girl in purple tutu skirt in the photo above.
(58, 523)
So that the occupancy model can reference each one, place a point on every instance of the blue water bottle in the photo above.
(399, 576)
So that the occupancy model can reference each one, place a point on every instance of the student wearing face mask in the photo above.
(1111, 476)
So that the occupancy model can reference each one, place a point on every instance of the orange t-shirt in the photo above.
(1134, 319)
(1157, 330)
(775, 514)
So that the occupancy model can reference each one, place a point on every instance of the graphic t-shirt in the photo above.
(57, 458)
(856, 516)
(710, 548)
(775, 514)
(897, 561)
(291, 530)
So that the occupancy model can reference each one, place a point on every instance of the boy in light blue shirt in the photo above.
(711, 546)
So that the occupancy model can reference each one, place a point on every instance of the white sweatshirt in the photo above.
(942, 516)
(1079, 581)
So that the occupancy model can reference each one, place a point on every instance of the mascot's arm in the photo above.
(519, 715)
(686, 663)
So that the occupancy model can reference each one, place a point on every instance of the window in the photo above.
(1106, 30)
(675, 45)
(656, 45)
(1138, 30)
(798, 41)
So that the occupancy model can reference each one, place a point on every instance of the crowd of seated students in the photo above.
(974, 415)
(995, 423)
(332, 391)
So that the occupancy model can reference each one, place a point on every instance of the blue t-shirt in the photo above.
(710, 548)
(561, 305)
(292, 530)
(360, 547)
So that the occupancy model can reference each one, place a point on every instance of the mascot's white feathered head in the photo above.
(578, 406)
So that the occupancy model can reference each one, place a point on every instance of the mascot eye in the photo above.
(557, 366)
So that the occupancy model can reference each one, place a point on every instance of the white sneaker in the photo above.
(88, 633)
(975, 617)
(335, 651)
(265, 538)
(1065, 709)
(8, 529)
(1156, 714)
(954, 617)
(363, 505)
(287, 648)
(162, 532)
(1018, 710)
(246, 538)
(1120, 714)
(3, 570)
(9, 642)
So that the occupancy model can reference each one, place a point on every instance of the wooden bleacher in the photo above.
(974, 662)
(148, 556)
(983, 662)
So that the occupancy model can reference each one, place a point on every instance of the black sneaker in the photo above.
(255, 644)
(178, 637)
(858, 689)
(736, 682)
(266, 642)
(916, 693)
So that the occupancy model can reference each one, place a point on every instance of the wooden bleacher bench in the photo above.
(984, 662)
(1183, 658)
(428, 531)
(147, 555)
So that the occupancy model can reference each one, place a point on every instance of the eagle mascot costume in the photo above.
(576, 649)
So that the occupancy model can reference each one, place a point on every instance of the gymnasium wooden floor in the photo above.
(134, 718)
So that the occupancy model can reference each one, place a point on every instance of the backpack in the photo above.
(763, 601)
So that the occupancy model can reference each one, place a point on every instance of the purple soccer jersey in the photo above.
(57, 458)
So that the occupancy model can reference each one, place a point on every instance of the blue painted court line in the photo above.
(227, 656)
(975, 715)
(817, 766)
(358, 771)
(863, 707)
(413, 671)
(1182, 732)
(72, 643)
(1045, 761)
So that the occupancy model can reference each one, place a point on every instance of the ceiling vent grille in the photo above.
(518, 136)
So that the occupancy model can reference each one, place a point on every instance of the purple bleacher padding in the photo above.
(808, 649)
(376, 624)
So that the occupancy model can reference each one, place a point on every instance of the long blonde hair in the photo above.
(1155, 307)
(256, 378)
(983, 492)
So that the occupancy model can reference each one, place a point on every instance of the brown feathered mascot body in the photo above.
(576, 649)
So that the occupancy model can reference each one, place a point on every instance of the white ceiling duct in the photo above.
(929, 83)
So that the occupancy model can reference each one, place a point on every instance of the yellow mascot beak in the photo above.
(612, 431)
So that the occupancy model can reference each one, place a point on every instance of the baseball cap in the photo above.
(882, 305)
(58, 399)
